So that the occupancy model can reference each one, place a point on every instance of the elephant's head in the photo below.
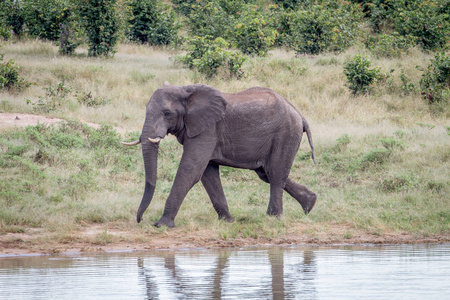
(183, 111)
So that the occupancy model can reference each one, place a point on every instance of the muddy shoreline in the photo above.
(25, 244)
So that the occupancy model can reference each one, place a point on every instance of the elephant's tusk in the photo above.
(155, 140)
(132, 143)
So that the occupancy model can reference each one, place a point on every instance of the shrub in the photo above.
(11, 18)
(425, 20)
(100, 22)
(55, 97)
(375, 157)
(184, 7)
(359, 74)
(324, 27)
(435, 82)
(288, 4)
(213, 18)
(42, 17)
(210, 56)
(389, 45)
(9, 75)
(91, 101)
(251, 34)
(5, 30)
(153, 22)
(380, 12)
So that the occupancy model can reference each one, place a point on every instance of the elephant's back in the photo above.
(260, 106)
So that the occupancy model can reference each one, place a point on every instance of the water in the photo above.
(392, 272)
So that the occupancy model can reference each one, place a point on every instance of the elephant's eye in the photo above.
(167, 113)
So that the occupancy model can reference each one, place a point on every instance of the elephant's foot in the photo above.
(308, 203)
(165, 221)
(273, 211)
(229, 219)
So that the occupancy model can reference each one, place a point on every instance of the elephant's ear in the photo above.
(205, 106)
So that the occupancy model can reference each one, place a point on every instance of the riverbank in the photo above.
(104, 238)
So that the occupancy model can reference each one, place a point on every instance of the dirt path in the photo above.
(10, 120)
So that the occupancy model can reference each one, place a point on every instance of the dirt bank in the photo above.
(38, 241)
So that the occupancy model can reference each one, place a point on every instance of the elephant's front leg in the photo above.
(196, 155)
(213, 186)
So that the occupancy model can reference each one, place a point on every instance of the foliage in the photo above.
(435, 81)
(152, 22)
(288, 4)
(251, 34)
(184, 7)
(389, 45)
(425, 20)
(5, 30)
(100, 21)
(90, 101)
(9, 75)
(55, 97)
(213, 18)
(210, 57)
(381, 12)
(11, 18)
(359, 74)
(323, 27)
(42, 17)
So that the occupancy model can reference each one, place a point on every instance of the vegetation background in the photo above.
(372, 78)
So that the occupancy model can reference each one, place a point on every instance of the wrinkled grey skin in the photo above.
(255, 129)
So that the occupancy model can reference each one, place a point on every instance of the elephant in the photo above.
(255, 129)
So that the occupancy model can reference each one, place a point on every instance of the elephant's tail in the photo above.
(308, 134)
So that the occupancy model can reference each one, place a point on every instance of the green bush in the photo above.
(152, 22)
(42, 17)
(381, 12)
(359, 74)
(5, 30)
(55, 97)
(11, 18)
(100, 21)
(331, 26)
(389, 45)
(9, 75)
(435, 81)
(184, 7)
(210, 57)
(288, 4)
(427, 20)
(211, 18)
(90, 101)
(251, 33)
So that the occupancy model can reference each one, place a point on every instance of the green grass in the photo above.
(380, 169)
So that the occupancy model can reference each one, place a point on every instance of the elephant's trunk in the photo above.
(150, 154)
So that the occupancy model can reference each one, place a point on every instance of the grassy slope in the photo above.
(383, 159)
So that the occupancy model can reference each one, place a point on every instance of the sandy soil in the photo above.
(10, 120)
(38, 241)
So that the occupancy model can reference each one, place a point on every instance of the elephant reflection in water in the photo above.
(291, 276)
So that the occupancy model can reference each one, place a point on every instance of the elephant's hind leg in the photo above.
(275, 207)
(305, 197)
(213, 186)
